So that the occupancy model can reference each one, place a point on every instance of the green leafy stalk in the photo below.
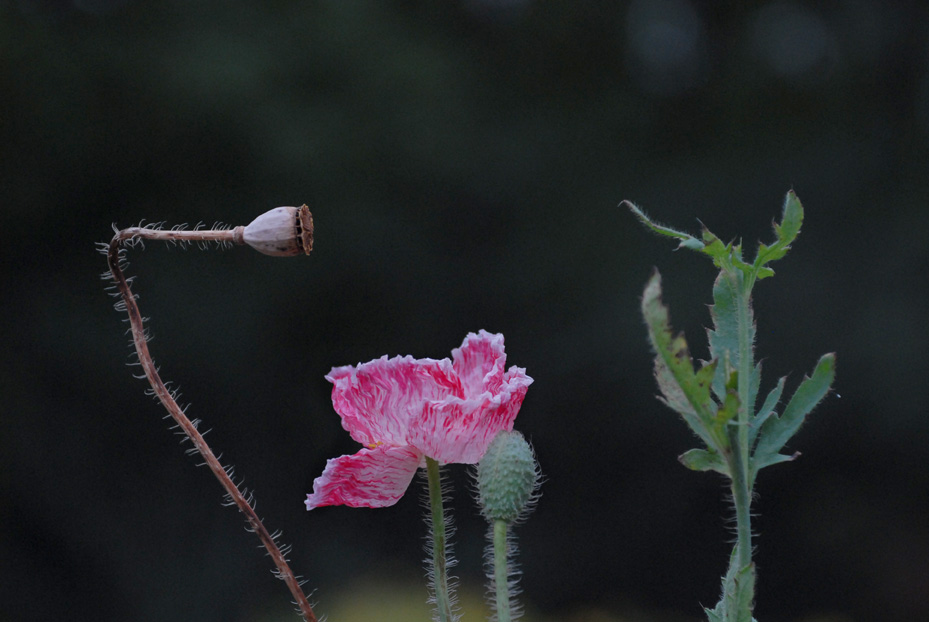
(718, 400)
(439, 545)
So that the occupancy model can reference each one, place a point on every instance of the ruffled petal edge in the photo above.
(377, 400)
(480, 362)
(459, 431)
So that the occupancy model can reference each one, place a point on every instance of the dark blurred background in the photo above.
(464, 162)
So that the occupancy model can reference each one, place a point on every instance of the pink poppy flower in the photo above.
(404, 409)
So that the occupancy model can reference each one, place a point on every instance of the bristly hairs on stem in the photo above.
(718, 400)
(280, 232)
(507, 484)
(513, 609)
(442, 586)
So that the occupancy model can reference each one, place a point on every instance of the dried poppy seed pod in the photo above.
(280, 232)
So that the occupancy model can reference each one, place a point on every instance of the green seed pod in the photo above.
(507, 477)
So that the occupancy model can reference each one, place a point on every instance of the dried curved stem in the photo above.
(164, 395)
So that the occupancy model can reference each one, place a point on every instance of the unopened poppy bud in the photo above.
(280, 232)
(507, 477)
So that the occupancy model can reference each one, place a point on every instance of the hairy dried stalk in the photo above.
(114, 252)
(183, 236)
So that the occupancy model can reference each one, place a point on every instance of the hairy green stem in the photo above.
(443, 602)
(501, 570)
(741, 486)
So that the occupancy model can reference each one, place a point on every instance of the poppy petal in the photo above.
(479, 363)
(456, 430)
(377, 400)
(371, 478)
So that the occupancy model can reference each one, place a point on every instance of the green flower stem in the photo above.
(443, 602)
(741, 486)
(501, 575)
(742, 498)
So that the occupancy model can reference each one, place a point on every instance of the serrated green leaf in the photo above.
(791, 220)
(730, 404)
(776, 431)
(715, 248)
(677, 366)
(736, 260)
(763, 273)
(677, 399)
(739, 595)
(745, 268)
(724, 336)
(686, 240)
(737, 251)
(729, 256)
(786, 232)
(671, 393)
(704, 460)
(692, 244)
(775, 459)
(705, 374)
(723, 370)
(735, 605)
(771, 254)
(673, 396)
(710, 245)
(716, 615)
(766, 410)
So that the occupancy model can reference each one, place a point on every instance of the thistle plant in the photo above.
(718, 399)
